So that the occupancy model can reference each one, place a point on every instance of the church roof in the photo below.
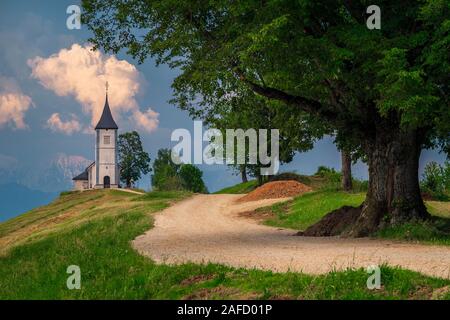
(82, 176)
(106, 120)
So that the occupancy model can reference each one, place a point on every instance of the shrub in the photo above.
(329, 173)
(171, 183)
(436, 180)
(360, 185)
(191, 177)
(169, 176)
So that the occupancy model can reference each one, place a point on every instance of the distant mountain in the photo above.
(58, 175)
(16, 199)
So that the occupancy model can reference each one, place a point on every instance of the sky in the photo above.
(52, 90)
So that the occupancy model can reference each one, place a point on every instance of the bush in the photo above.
(360, 185)
(191, 177)
(168, 176)
(329, 173)
(436, 180)
(171, 183)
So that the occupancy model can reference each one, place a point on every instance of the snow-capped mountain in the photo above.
(57, 176)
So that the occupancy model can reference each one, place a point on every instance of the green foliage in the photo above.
(332, 180)
(165, 172)
(315, 56)
(247, 111)
(192, 178)
(360, 185)
(330, 174)
(133, 160)
(436, 180)
(436, 231)
(168, 175)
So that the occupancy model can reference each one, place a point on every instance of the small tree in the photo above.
(165, 172)
(133, 160)
(170, 176)
(436, 180)
(192, 178)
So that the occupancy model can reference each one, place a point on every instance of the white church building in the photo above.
(104, 171)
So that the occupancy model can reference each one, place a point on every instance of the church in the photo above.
(104, 171)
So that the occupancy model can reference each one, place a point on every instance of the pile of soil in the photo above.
(335, 223)
(277, 189)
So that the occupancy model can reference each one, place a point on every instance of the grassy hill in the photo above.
(93, 230)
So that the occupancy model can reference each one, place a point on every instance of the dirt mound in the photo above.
(276, 189)
(334, 223)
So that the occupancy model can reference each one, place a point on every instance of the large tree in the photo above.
(133, 160)
(384, 91)
(245, 110)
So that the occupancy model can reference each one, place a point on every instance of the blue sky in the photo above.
(31, 29)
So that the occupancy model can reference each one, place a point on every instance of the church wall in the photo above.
(107, 160)
(80, 185)
(92, 177)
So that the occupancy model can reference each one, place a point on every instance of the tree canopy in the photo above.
(133, 160)
(168, 175)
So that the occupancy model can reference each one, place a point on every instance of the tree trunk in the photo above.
(394, 195)
(259, 178)
(244, 174)
(346, 171)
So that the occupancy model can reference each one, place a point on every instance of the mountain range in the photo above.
(23, 188)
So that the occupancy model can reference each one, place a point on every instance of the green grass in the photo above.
(435, 231)
(244, 187)
(309, 208)
(111, 269)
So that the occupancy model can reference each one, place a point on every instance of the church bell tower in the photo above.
(106, 161)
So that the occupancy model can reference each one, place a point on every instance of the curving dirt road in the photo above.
(206, 228)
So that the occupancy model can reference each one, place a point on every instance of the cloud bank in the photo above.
(68, 127)
(82, 73)
(13, 104)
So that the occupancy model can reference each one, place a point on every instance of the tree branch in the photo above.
(305, 104)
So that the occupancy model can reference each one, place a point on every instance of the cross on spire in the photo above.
(107, 85)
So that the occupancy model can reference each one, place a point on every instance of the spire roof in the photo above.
(106, 120)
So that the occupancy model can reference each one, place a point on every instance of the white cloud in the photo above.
(82, 73)
(68, 127)
(147, 119)
(13, 104)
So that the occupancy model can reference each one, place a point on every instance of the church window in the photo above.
(107, 140)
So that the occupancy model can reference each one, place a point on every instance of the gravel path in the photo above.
(206, 228)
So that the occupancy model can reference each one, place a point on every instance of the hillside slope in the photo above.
(93, 230)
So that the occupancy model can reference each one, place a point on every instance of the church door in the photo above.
(106, 182)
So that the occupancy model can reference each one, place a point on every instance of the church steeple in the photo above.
(106, 120)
